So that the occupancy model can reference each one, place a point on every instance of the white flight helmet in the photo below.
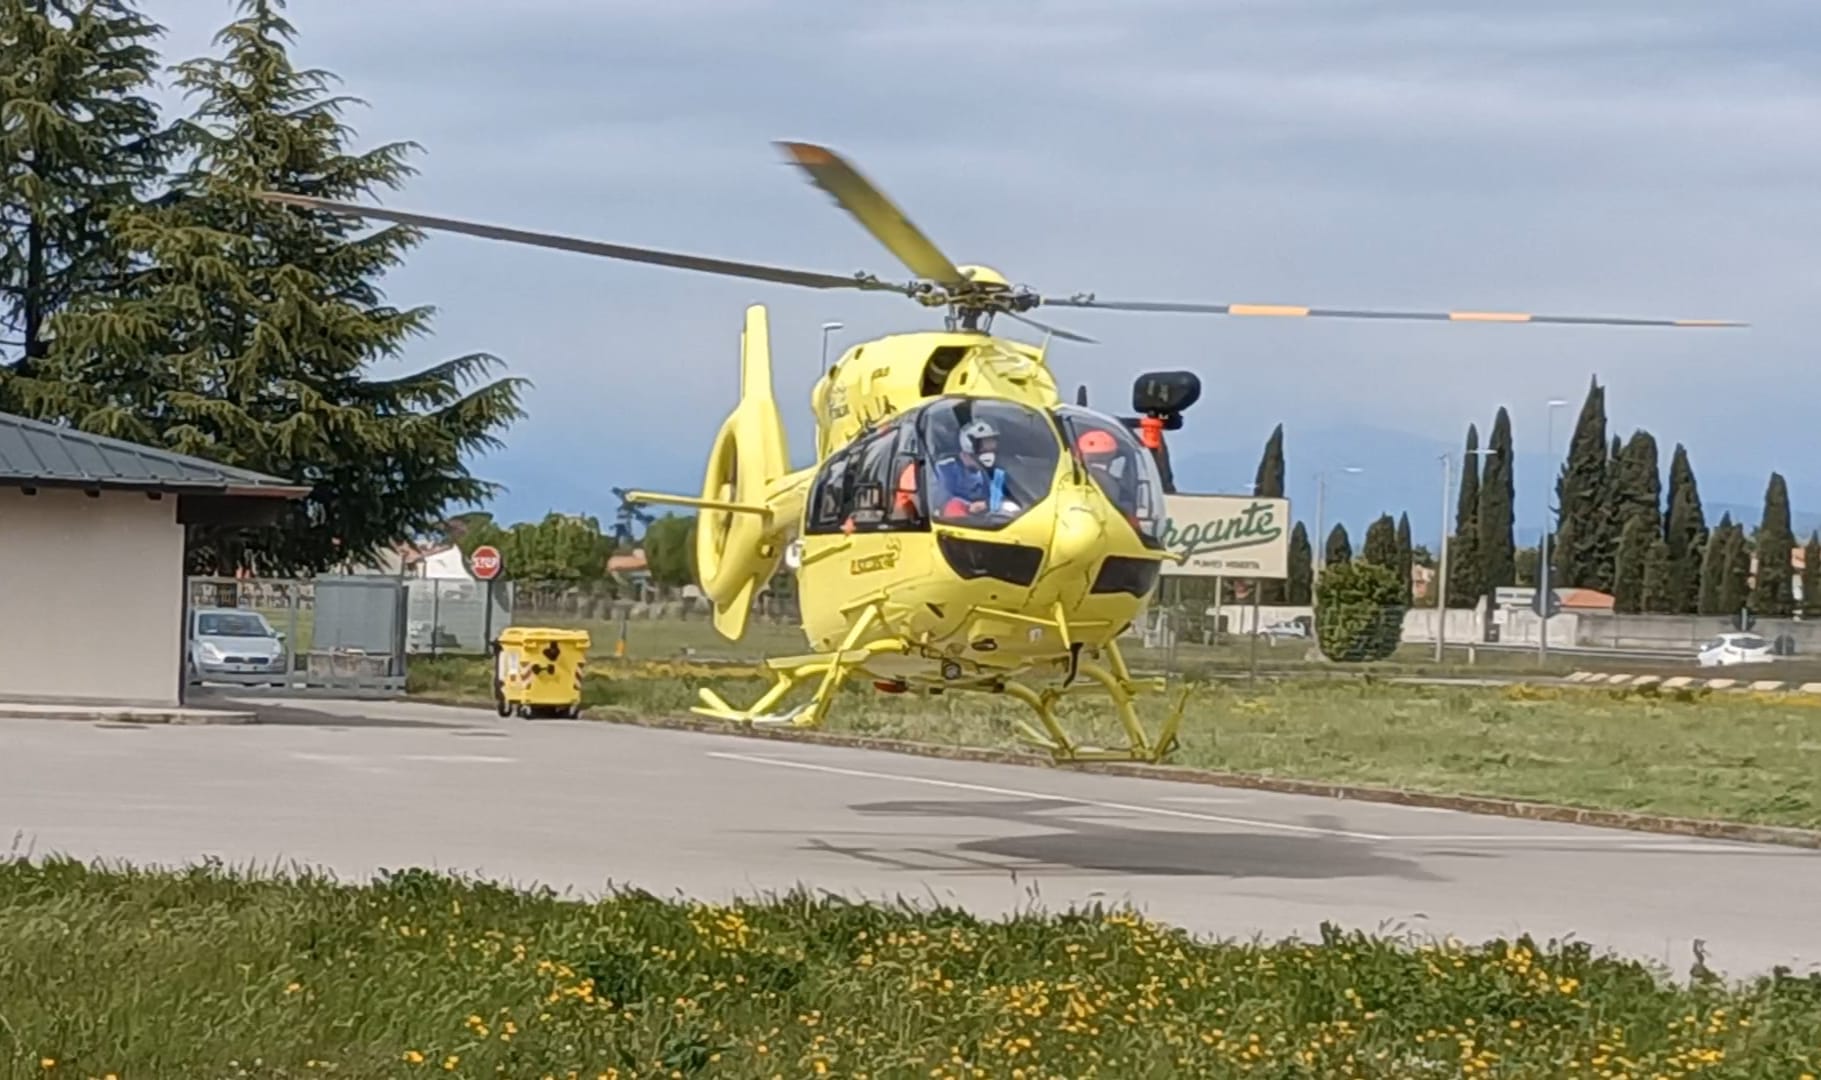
(972, 434)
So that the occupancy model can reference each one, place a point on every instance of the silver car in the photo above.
(233, 641)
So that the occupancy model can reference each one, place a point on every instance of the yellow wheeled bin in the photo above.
(538, 670)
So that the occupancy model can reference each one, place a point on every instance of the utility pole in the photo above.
(1542, 564)
(827, 328)
(1441, 571)
(1319, 542)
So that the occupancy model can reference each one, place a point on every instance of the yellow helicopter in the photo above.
(963, 528)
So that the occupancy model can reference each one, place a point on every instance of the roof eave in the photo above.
(159, 487)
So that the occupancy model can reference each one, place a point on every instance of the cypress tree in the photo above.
(1685, 531)
(1301, 585)
(79, 139)
(1381, 543)
(1811, 576)
(1628, 577)
(1270, 475)
(1339, 548)
(1406, 558)
(1713, 567)
(246, 338)
(1605, 554)
(1269, 484)
(1659, 595)
(1578, 558)
(1464, 586)
(1498, 496)
(1773, 594)
(1640, 483)
(1735, 580)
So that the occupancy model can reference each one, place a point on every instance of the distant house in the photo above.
(1584, 600)
(1422, 579)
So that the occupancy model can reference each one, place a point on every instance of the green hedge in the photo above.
(1359, 612)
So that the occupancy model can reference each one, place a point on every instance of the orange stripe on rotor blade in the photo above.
(808, 154)
(1267, 309)
(1488, 316)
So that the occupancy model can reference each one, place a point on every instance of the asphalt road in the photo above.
(355, 787)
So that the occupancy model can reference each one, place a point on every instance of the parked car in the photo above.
(1284, 628)
(1729, 649)
(233, 641)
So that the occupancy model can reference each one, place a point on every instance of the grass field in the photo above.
(695, 638)
(129, 974)
(1724, 756)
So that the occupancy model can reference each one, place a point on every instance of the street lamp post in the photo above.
(1542, 563)
(1441, 570)
(827, 328)
(1320, 539)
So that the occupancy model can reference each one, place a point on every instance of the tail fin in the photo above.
(737, 551)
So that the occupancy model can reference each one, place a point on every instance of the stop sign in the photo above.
(485, 562)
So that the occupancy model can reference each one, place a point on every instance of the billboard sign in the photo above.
(1227, 536)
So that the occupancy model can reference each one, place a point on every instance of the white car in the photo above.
(1729, 649)
(1283, 628)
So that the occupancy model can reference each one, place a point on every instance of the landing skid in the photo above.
(1123, 690)
(830, 670)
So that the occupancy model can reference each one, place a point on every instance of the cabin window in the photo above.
(870, 485)
(1120, 465)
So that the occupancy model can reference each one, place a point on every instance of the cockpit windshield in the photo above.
(989, 460)
(1120, 464)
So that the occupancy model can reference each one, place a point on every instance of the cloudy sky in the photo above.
(1650, 157)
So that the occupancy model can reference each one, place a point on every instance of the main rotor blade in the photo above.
(1288, 311)
(782, 275)
(861, 198)
(1066, 335)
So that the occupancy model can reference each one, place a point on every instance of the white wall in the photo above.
(91, 597)
(446, 565)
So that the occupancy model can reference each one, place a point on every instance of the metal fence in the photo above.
(343, 633)
(449, 616)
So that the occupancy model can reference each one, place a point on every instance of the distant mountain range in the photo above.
(1401, 472)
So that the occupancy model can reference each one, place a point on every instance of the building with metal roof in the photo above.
(92, 559)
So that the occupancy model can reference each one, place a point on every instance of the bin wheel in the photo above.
(499, 701)
(524, 712)
(574, 712)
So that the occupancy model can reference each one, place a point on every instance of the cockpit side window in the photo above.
(1120, 466)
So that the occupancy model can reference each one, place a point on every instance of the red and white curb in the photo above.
(1691, 682)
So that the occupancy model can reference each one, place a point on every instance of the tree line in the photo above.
(147, 294)
(1618, 529)
(571, 550)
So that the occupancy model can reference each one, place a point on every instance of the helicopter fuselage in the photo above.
(979, 568)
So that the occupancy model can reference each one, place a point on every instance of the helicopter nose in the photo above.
(1079, 541)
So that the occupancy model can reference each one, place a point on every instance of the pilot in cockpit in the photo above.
(972, 482)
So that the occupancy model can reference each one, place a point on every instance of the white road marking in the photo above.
(1201, 799)
(1623, 841)
(462, 759)
(1159, 811)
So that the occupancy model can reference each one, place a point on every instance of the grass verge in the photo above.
(130, 974)
(1717, 756)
